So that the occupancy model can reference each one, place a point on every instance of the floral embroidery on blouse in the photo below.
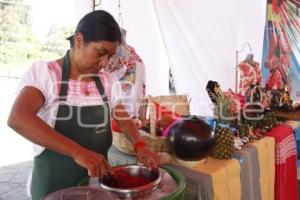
(80, 88)
(125, 56)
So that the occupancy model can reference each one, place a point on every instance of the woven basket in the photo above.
(174, 103)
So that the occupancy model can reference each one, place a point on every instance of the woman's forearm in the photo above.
(129, 128)
(126, 124)
(24, 120)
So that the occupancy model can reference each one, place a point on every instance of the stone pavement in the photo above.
(13, 180)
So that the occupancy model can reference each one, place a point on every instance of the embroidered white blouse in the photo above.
(47, 76)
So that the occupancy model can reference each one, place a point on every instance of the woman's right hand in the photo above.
(95, 163)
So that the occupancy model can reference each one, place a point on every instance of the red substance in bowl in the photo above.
(121, 179)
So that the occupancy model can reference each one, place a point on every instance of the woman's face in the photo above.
(92, 56)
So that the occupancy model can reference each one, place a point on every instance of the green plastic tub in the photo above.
(178, 194)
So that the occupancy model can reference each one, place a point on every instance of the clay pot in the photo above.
(191, 138)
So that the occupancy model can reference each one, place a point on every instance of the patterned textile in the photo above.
(249, 176)
(238, 101)
(225, 176)
(280, 62)
(279, 72)
(125, 56)
(250, 172)
(286, 170)
(266, 158)
(250, 74)
(297, 137)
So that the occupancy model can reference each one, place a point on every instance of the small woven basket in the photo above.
(176, 103)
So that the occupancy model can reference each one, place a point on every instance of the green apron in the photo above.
(53, 171)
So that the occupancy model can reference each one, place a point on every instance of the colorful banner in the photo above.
(281, 51)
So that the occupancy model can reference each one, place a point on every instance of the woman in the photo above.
(64, 107)
(127, 66)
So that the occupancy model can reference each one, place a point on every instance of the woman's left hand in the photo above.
(148, 157)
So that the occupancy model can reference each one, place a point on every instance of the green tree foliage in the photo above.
(56, 39)
(17, 41)
(14, 17)
(15, 35)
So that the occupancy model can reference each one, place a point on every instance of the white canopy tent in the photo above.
(197, 39)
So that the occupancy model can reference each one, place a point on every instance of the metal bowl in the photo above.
(153, 176)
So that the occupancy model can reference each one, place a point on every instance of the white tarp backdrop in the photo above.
(197, 39)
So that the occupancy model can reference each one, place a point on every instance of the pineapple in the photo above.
(224, 139)
(223, 108)
(224, 143)
(243, 130)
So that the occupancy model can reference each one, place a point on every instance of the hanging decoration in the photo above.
(281, 55)
(120, 19)
(95, 4)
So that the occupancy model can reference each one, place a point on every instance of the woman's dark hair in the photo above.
(96, 26)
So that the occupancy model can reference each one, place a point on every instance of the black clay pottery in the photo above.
(191, 138)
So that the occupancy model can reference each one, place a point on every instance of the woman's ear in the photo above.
(78, 40)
